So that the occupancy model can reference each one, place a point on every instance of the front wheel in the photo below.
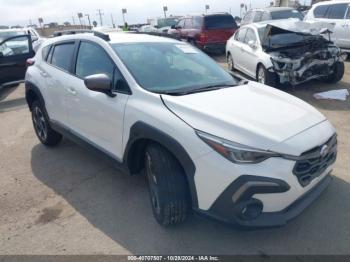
(337, 75)
(167, 186)
(265, 77)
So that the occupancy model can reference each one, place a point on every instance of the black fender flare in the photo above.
(135, 147)
(29, 88)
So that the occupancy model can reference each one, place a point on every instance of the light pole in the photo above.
(124, 11)
(88, 17)
(165, 9)
(207, 7)
(80, 15)
(100, 15)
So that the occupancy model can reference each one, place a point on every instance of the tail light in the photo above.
(30, 62)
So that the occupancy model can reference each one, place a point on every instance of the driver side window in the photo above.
(250, 36)
(240, 35)
(15, 46)
(92, 60)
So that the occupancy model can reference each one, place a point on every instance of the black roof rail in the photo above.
(82, 31)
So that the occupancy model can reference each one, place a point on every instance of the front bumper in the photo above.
(226, 210)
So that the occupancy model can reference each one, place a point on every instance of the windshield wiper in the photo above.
(198, 90)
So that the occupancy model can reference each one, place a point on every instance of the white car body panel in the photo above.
(341, 31)
(237, 115)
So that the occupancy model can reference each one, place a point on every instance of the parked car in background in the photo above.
(285, 51)
(15, 49)
(35, 37)
(336, 13)
(208, 32)
(270, 13)
(243, 153)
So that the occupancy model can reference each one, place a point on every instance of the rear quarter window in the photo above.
(337, 11)
(219, 22)
(45, 52)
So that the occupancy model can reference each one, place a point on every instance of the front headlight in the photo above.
(235, 152)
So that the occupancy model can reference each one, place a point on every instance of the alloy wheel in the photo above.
(152, 182)
(261, 76)
(40, 123)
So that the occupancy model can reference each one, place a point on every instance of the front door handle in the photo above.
(72, 90)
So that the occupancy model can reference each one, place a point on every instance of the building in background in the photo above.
(287, 3)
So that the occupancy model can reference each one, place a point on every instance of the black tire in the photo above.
(337, 75)
(269, 78)
(167, 186)
(230, 62)
(44, 132)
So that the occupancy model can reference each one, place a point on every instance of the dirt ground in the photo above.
(68, 201)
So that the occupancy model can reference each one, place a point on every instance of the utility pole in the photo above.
(73, 19)
(100, 14)
(207, 7)
(88, 16)
(112, 21)
(124, 11)
(165, 9)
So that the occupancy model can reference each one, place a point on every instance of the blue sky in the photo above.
(15, 12)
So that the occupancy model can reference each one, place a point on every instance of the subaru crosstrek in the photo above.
(240, 152)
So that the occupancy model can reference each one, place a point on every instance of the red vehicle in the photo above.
(208, 32)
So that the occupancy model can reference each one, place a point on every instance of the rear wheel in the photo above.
(337, 75)
(230, 62)
(44, 132)
(167, 186)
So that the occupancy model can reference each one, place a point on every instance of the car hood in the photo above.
(253, 114)
(315, 29)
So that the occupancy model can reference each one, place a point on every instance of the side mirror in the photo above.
(99, 83)
(253, 44)
(173, 27)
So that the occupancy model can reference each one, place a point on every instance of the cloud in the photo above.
(21, 11)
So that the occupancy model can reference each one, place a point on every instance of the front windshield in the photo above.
(171, 67)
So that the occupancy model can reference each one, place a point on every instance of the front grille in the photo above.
(314, 162)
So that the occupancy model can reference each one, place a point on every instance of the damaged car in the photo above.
(286, 52)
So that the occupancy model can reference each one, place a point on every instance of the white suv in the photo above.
(242, 153)
(337, 13)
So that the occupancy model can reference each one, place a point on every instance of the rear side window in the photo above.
(197, 22)
(348, 15)
(92, 59)
(320, 11)
(62, 56)
(266, 16)
(285, 14)
(337, 11)
(219, 22)
(258, 16)
(188, 23)
(247, 18)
